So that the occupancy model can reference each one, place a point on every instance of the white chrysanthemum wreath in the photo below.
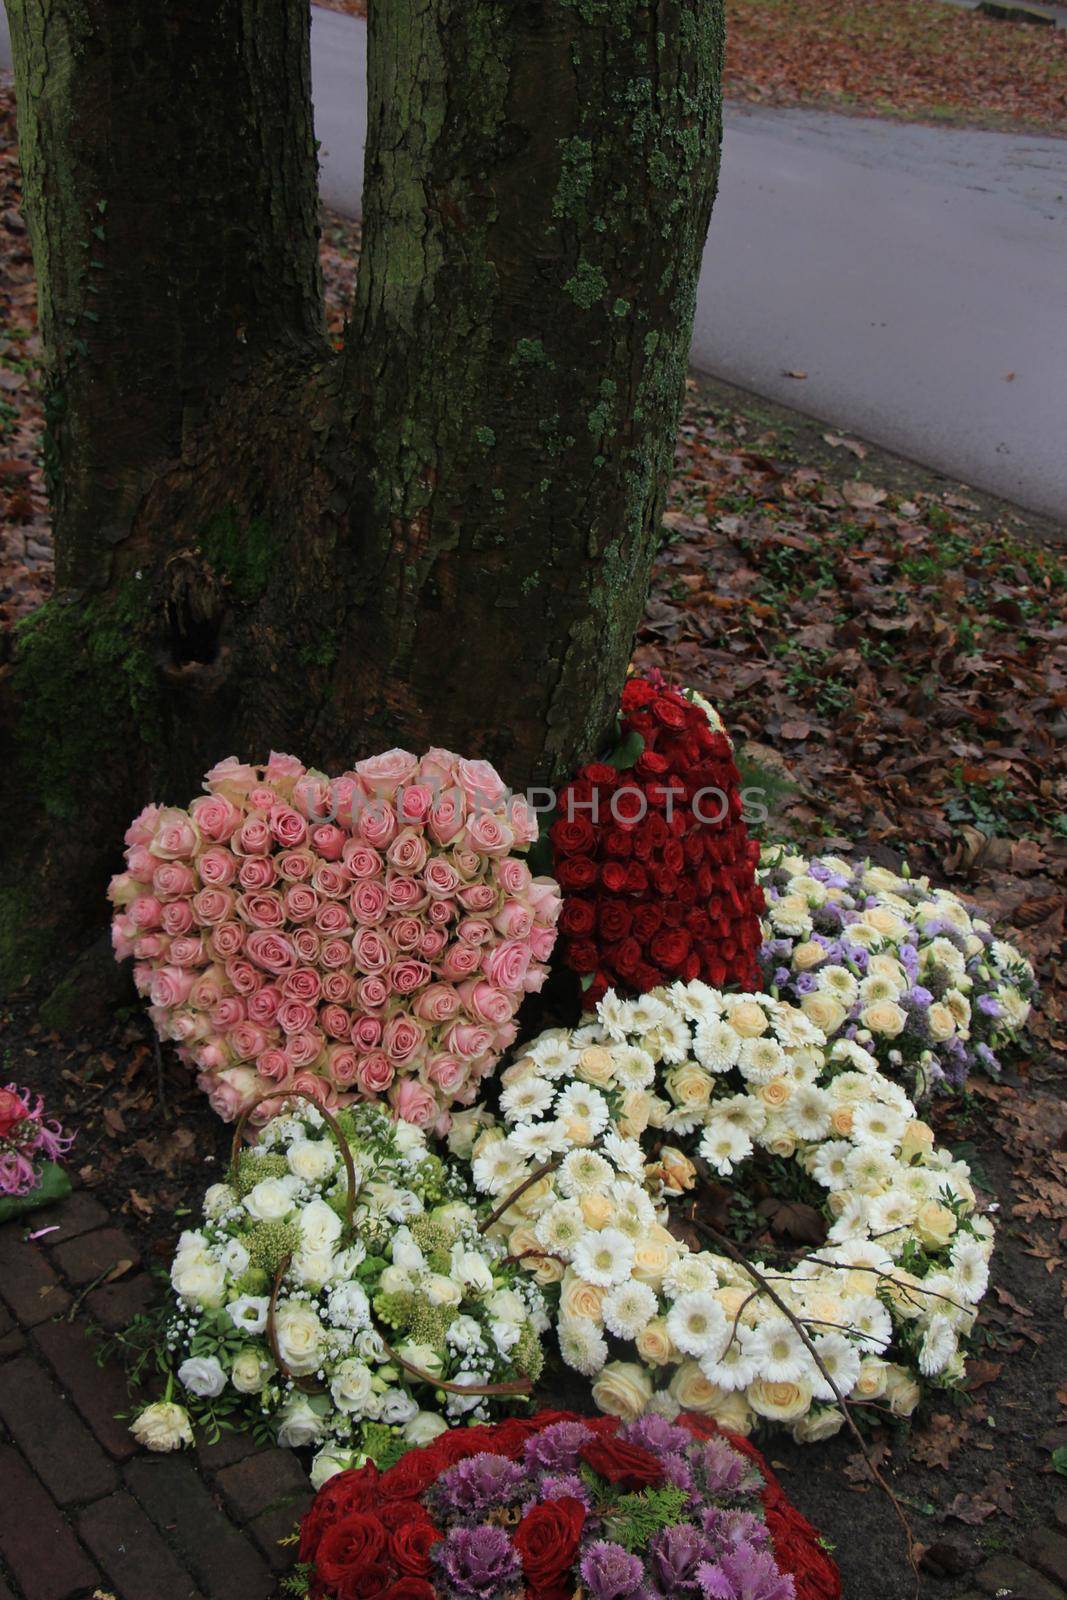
(877, 1310)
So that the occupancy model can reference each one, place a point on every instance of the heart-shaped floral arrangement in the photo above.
(352, 937)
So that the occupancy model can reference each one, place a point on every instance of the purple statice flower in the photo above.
(657, 1435)
(733, 1527)
(609, 1572)
(555, 1449)
(674, 1555)
(477, 1561)
(745, 1573)
(479, 1483)
(725, 1470)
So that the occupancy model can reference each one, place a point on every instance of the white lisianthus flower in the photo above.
(248, 1312)
(163, 1426)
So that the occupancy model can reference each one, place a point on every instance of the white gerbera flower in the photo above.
(584, 1172)
(625, 1154)
(716, 1045)
(559, 1228)
(634, 1067)
(829, 1164)
(553, 1053)
(839, 982)
(891, 1213)
(807, 1112)
(697, 1001)
(582, 1345)
(614, 1016)
(583, 1103)
(761, 1059)
(742, 1111)
(634, 1211)
(499, 1169)
(669, 1039)
(970, 1269)
(869, 1321)
(526, 1098)
(735, 1369)
(841, 1359)
(938, 1347)
(690, 1274)
(877, 1124)
(724, 1146)
(628, 1308)
(871, 1169)
(851, 1220)
(779, 1352)
(645, 1014)
(538, 1141)
(604, 1258)
(696, 1324)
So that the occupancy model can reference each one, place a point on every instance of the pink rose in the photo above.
(304, 984)
(342, 1064)
(438, 1003)
(346, 797)
(170, 986)
(460, 961)
(335, 953)
(479, 897)
(280, 767)
(439, 913)
(256, 872)
(474, 930)
(362, 860)
(142, 829)
(274, 1064)
(367, 1033)
(440, 878)
(185, 1026)
(404, 977)
(468, 863)
(303, 1049)
(487, 1003)
(288, 826)
(216, 818)
(377, 823)
(331, 880)
(337, 986)
(296, 1017)
(306, 944)
(141, 863)
(208, 990)
(243, 976)
(230, 1092)
(447, 1072)
(402, 1038)
(544, 897)
(147, 947)
(175, 835)
(263, 1005)
(230, 777)
(296, 866)
(336, 1021)
(480, 782)
(522, 820)
(300, 903)
(272, 951)
(404, 933)
(413, 1102)
(514, 921)
(541, 942)
(383, 775)
(228, 939)
(513, 875)
(507, 965)
(328, 840)
(415, 802)
(311, 797)
(447, 817)
(217, 868)
(469, 1040)
(437, 766)
(319, 1090)
(173, 878)
(368, 902)
(375, 1073)
(370, 952)
(408, 852)
(187, 951)
(431, 943)
(259, 910)
(177, 917)
(254, 838)
(404, 894)
(146, 912)
(246, 1040)
(487, 834)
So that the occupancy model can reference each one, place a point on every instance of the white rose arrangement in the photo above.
(356, 1339)
(878, 1311)
(906, 969)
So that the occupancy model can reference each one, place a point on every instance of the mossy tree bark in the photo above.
(443, 535)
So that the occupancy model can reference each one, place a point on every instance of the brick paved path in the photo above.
(82, 1509)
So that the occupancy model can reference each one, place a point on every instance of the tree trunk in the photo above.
(446, 534)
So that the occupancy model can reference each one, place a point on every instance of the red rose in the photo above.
(398, 1513)
(410, 1589)
(628, 956)
(582, 956)
(600, 774)
(365, 1583)
(572, 838)
(614, 920)
(622, 1463)
(577, 918)
(669, 950)
(342, 1494)
(12, 1111)
(576, 872)
(614, 876)
(413, 1474)
(547, 1540)
(410, 1547)
(346, 1546)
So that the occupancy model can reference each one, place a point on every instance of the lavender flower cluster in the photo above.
(905, 969)
(715, 1544)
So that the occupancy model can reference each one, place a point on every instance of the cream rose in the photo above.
(884, 1017)
(250, 1370)
(901, 1391)
(351, 1386)
(272, 1199)
(635, 1113)
(525, 1246)
(622, 1389)
(775, 1093)
(596, 1066)
(653, 1255)
(819, 1424)
(597, 1210)
(917, 1138)
(780, 1402)
(824, 1010)
(935, 1224)
(311, 1159)
(694, 1392)
(299, 1335)
(747, 1018)
(164, 1426)
(808, 955)
(424, 1427)
(198, 1280)
(940, 1021)
(870, 1385)
(581, 1299)
(654, 1344)
(690, 1086)
(298, 1424)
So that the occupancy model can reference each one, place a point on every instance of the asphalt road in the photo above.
(917, 276)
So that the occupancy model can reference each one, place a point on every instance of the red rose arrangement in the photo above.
(657, 870)
(547, 1505)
